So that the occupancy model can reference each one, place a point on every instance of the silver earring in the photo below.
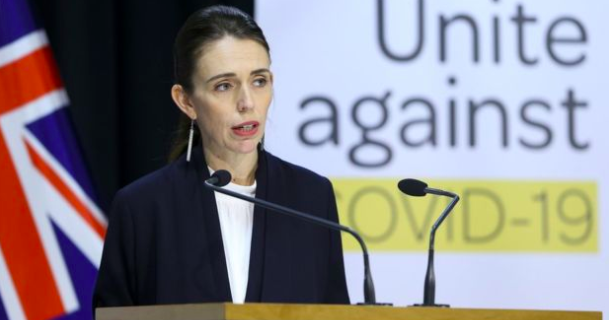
(190, 136)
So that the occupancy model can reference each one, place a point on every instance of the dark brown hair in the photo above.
(200, 29)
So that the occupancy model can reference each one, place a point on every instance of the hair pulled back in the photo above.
(201, 29)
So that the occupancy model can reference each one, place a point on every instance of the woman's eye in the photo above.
(260, 82)
(222, 87)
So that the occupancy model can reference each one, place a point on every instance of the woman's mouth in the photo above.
(246, 129)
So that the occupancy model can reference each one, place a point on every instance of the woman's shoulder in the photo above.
(294, 173)
(300, 188)
(154, 185)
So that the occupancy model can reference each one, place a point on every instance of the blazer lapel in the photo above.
(276, 276)
(212, 231)
(257, 253)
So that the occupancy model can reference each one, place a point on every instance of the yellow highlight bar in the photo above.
(492, 215)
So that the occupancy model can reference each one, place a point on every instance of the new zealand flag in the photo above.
(51, 230)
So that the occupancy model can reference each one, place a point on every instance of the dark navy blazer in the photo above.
(164, 245)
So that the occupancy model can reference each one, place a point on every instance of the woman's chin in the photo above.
(246, 147)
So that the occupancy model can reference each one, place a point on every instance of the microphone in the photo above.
(419, 188)
(221, 178)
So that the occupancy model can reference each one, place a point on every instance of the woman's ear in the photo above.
(182, 100)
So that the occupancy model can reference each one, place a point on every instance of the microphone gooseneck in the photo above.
(419, 188)
(223, 176)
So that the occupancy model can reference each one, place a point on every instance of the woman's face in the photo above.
(232, 91)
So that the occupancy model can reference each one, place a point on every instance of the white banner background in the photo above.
(331, 49)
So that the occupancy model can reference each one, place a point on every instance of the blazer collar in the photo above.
(214, 235)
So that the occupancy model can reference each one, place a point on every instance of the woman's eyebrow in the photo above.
(232, 74)
(222, 75)
(259, 71)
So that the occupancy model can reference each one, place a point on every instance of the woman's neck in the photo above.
(242, 167)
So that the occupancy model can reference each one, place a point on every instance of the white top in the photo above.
(236, 223)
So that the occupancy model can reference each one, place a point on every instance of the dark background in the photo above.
(115, 58)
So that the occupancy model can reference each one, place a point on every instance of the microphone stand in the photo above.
(429, 292)
(417, 188)
(369, 293)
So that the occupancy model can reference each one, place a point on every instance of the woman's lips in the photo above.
(246, 129)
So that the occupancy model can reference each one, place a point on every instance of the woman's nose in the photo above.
(245, 101)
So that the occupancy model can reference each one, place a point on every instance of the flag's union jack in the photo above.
(51, 231)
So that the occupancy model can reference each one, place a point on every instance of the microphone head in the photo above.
(413, 187)
(222, 178)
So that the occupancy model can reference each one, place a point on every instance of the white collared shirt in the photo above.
(236, 223)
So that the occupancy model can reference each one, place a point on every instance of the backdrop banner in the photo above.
(498, 101)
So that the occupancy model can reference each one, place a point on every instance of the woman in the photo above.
(170, 240)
